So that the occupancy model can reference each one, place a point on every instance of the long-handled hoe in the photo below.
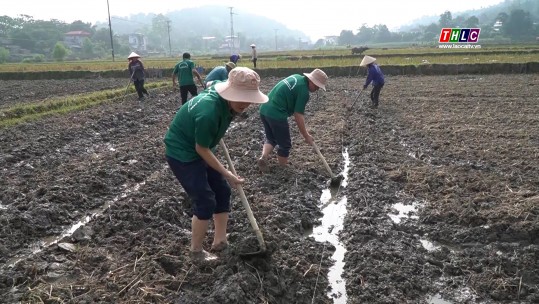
(128, 84)
(245, 204)
(335, 179)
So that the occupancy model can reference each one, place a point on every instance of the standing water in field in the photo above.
(334, 210)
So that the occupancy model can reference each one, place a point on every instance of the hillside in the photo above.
(486, 15)
(213, 21)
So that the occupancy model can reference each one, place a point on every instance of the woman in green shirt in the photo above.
(190, 142)
(288, 97)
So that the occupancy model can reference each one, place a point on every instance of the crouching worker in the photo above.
(190, 142)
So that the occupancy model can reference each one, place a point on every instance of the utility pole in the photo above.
(110, 30)
(276, 38)
(169, 47)
(232, 47)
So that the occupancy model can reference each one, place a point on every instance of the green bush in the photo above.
(4, 54)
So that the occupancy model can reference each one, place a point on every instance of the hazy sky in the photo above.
(315, 18)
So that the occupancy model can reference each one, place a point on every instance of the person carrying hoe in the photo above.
(190, 142)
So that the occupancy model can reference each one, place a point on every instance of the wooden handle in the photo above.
(323, 159)
(244, 202)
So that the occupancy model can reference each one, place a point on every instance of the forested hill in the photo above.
(486, 15)
(208, 21)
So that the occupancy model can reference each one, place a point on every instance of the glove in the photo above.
(365, 87)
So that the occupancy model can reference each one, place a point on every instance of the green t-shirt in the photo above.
(287, 97)
(184, 70)
(202, 120)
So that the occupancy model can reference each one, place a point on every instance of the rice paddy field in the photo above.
(439, 202)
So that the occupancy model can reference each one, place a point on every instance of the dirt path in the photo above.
(460, 151)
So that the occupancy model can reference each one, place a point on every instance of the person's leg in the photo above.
(183, 94)
(254, 62)
(269, 142)
(194, 179)
(267, 148)
(199, 229)
(281, 131)
(377, 89)
(372, 94)
(193, 90)
(138, 87)
(222, 192)
(143, 89)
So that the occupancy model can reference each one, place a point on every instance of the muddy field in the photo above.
(441, 199)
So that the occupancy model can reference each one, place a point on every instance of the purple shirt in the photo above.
(375, 75)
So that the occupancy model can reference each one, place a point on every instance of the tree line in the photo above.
(517, 26)
(25, 39)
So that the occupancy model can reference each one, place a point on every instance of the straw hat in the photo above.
(253, 45)
(318, 77)
(133, 55)
(231, 65)
(242, 86)
(367, 60)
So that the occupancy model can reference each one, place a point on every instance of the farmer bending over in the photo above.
(219, 73)
(190, 141)
(288, 97)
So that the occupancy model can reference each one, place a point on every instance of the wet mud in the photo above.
(441, 195)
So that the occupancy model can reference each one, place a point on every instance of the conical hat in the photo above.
(367, 60)
(133, 55)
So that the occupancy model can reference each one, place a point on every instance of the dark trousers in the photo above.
(277, 134)
(190, 88)
(254, 62)
(375, 93)
(139, 86)
(208, 190)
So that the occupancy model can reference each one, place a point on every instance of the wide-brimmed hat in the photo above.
(367, 60)
(318, 77)
(253, 45)
(231, 65)
(242, 85)
(133, 55)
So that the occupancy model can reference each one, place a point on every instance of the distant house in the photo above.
(74, 39)
(497, 26)
(331, 40)
(138, 43)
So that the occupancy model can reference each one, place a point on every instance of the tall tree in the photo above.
(4, 54)
(431, 32)
(78, 25)
(502, 17)
(346, 37)
(59, 52)
(446, 20)
(519, 25)
(160, 29)
(87, 48)
(382, 33)
(472, 22)
(365, 34)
